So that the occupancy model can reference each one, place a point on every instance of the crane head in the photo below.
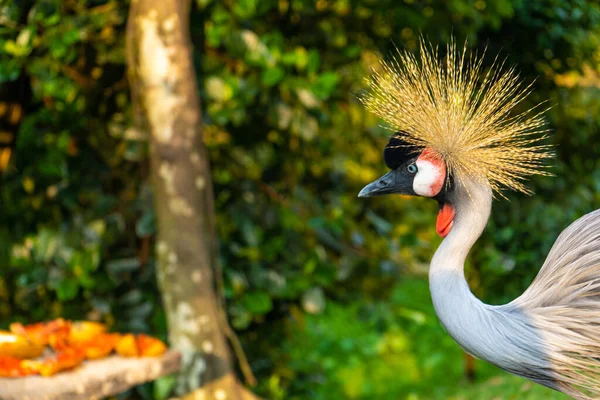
(460, 116)
(415, 171)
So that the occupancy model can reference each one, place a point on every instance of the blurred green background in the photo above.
(327, 292)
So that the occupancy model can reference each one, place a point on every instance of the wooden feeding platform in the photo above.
(92, 379)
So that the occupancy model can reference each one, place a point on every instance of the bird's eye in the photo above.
(412, 168)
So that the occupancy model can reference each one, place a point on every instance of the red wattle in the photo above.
(445, 220)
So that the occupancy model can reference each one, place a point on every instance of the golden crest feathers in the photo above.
(451, 106)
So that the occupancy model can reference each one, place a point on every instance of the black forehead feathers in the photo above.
(399, 151)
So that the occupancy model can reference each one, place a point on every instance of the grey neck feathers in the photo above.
(485, 331)
(460, 312)
(550, 333)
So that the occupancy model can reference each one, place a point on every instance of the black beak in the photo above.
(397, 181)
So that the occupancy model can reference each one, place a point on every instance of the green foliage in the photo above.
(384, 349)
(75, 207)
(315, 280)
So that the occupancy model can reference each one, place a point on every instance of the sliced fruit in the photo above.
(84, 331)
(11, 367)
(43, 332)
(67, 359)
(140, 346)
(18, 346)
(149, 346)
(98, 347)
(127, 346)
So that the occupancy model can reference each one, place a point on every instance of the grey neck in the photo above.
(464, 316)
(507, 335)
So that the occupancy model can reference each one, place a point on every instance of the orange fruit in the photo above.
(17, 346)
(42, 332)
(149, 346)
(67, 359)
(84, 331)
(12, 367)
(100, 346)
(127, 346)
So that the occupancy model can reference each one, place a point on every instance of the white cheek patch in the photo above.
(430, 177)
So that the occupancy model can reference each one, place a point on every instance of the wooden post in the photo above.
(164, 93)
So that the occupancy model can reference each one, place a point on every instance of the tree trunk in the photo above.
(164, 93)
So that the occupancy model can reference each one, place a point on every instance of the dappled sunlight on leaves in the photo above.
(328, 292)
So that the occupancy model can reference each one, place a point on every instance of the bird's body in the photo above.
(457, 143)
(551, 333)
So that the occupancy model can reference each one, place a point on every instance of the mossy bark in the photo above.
(164, 92)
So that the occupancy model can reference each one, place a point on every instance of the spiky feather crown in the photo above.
(449, 105)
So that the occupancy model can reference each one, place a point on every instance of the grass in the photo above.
(505, 387)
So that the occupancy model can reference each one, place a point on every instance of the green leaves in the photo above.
(315, 279)
(22, 46)
(257, 302)
(272, 76)
(71, 195)
(245, 9)
(325, 84)
(66, 289)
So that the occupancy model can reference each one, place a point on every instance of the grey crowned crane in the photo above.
(458, 142)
